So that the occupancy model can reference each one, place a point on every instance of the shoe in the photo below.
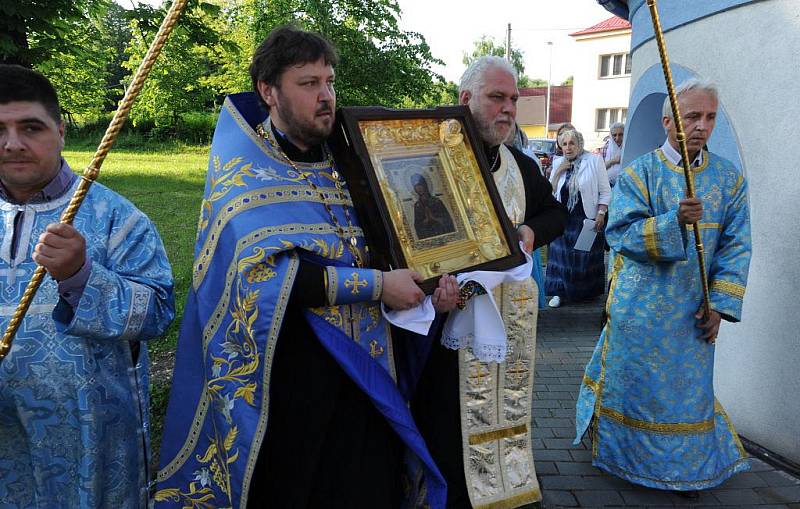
(555, 302)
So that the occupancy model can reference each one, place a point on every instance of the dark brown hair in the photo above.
(284, 47)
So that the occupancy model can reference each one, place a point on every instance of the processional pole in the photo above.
(92, 171)
(681, 136)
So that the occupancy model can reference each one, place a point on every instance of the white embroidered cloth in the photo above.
(478, 326)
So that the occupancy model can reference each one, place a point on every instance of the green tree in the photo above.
(379, 63)
(178, 82)
(568, 81)
(488, 46)
(443, 93)
(32, 30)
(526, 82)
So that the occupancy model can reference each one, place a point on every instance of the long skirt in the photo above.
(572, 274)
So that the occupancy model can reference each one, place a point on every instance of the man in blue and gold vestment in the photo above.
(74, 386)
(288, 389)
(647, 394)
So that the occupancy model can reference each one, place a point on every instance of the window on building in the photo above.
(618, 64)
(607, 116)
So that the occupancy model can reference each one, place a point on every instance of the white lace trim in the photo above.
(484, 352)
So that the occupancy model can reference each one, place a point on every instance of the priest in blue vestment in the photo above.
(647, 395)
(74, 386)
(290, 387)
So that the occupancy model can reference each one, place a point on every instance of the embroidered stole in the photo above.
(496, 398)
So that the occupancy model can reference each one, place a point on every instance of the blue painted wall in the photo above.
(644, 131)
(673, 14)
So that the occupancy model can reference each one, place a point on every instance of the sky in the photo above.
(451, 27)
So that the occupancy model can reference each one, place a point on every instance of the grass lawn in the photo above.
(167, 185)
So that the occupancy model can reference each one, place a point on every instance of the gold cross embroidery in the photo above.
(479, 372)
(355, 283)
(522, 296)
(519, 371)
(374, 350)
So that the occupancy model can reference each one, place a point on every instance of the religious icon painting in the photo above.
(423, 192)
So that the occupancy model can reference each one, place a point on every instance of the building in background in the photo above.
(531, 115)
(560, 107)
(749, 48)
(602, 79)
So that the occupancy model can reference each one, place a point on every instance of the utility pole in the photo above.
(547, 104)
(508, 43)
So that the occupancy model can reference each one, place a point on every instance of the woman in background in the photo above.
(580, 182)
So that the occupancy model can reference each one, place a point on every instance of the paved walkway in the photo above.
(566, 338)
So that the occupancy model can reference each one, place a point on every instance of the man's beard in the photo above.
(489, 131)
(310, 133)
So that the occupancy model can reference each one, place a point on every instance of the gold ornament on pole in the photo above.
(93, 170)
(681, 136)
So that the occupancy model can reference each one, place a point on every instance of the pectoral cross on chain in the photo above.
(355, 284)
(374, 350)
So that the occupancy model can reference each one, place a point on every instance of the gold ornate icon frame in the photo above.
(425, 196)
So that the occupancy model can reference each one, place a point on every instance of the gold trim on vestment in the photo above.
(728, 288)
(599, 393)
(377, 285)
(272, 339)
(488, 436)
(650, 240)
(638, 181)
(588, 382)
(528, 497)
(739, 182)
(701, 482)
(679, 169)
(705, 226)
(721, 411)
(258, 198)
(268, 150)
(658, 427)
(331, 284)
(210, 329)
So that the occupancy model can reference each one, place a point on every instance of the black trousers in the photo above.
(437, 412)
(326, 445)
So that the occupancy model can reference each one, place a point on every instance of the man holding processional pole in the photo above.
(74, 387)
(647, 396)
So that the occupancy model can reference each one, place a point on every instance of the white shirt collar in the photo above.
(674, 156)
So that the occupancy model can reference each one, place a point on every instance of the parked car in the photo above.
(545, 149)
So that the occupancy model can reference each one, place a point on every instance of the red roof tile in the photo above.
(609, 25)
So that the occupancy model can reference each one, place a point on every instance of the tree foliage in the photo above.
(90, 49)
(379, 63)
(176, 82)
(31, 30)
(488, 46)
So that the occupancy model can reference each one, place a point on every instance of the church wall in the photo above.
(750, 50)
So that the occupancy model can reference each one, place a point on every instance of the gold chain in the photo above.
(351, 242)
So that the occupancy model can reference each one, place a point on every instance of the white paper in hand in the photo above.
(587, 236)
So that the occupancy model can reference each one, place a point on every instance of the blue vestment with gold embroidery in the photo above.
(648, 392)
(259, 217)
